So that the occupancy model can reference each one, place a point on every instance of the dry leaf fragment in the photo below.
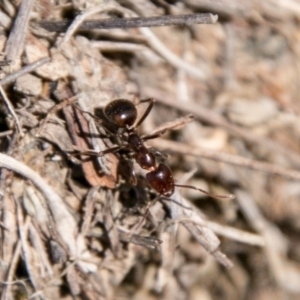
(79, 130)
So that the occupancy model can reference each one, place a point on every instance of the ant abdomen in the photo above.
(161, 180)
(121, 112)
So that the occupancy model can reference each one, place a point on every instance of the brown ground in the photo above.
(66, 217)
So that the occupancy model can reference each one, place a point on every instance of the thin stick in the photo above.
(215, 119)
(227, 231)
(118, 46)
(146, 241)
(5, 133)
(137, 226)
(27, 69)
(174, 60)
(26, 253)
(202, 234)
(11, 110)
(152, 40)
(79, 20)
(225, 157)
(14, 261)
(16, 41)
(65, 222)
(181, 20)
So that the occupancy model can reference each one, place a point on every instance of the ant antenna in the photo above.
(228, 196)
(147, 111)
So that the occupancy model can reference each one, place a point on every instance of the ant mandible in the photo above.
(123, 114)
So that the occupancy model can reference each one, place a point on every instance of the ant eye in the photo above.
(121, 112)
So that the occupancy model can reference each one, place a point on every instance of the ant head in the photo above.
(161, 180)
(121, 112)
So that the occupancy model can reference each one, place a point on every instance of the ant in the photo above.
(123, 114)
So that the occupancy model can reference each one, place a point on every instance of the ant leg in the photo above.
(90, 114)
(97, 153)
(140, 223)
(97, 119)
(132, 178)
(147, 111)
(159, 154)
(53, 110)
(178, 123)
(154, 135)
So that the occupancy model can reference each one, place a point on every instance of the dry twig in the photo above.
(16, 41)
(178, 20)
(11, 110)
(27, 69)
(64, 221)
(227, 158)
(215, 119)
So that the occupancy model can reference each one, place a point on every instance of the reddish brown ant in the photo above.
(123, 114)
